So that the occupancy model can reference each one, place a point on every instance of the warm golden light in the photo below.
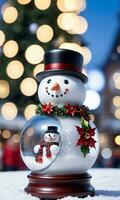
(34, 54)
(38, 68)
(4, 89)
(116, 101)
(9, 111)
(116, 76)
(117, 113)
(16, 138)
(2, 38)
(6, 134)
(28, 86)
(10, 48)
(10, 15)
(80, 26)
(117, 82)
(42, 4)
(15, 69)
(103, 140)
(71, 5)
(30, 111)
(23, 2)
(76, 47)
(44, 33)
(66, 21)
(117, 139)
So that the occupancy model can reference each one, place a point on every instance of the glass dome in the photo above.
(40, 142)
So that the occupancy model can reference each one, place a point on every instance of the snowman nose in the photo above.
(55, 87)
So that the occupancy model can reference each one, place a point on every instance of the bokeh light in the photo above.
(76, 47)
(117, 113)
(118, 49)
(9, 111)
(15, 69)
(116, 101)
(30, 111)
(71, 5)
(92, 99)
(42, 4)
(96, 80)
(23, 2)
(2, 38)
(34, 54)
(80, 26)
(4, 89)
(44, 33)
(15, 138)
(10, 48)
(10, 14)
(6, 134)
(33, 27)
(66, 21)
(106, 153)
(38, 68)
(28, 86)
(117, 139)
(116, 76)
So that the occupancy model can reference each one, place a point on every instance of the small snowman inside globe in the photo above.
(63, 143)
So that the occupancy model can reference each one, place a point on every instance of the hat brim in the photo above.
(47, 73)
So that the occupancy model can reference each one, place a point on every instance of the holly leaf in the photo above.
(85, 150)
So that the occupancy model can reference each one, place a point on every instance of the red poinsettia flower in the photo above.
(71, 110)
(47, 108)
(86, 137)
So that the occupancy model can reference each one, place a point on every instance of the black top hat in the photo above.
(62, 62)
(52, 129)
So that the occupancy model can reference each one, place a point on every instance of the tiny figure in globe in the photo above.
(51, 138)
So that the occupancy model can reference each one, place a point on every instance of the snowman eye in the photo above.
(49, 81)
(66, 81)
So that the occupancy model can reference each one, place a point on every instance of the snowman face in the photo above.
(61, 89)
(51, 137)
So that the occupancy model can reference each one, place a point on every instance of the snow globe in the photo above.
(60, 144)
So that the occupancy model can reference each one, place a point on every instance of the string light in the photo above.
(38, 68)
(80, 26)
(116, 101)
(10, 48)
(4, 89)
(2, 38)
(117, 139)
(34, 54)
(30, 111)
(116, 76)
(23, 2)
(45, 33)
(15, 69)
(76, 47)
(117, 113)
(10, 15)
(42, 4)
(66, 21)
(6, 134)
(9, 111)
(16, 138)
(71, 5)
(28, 86)
(106, 153)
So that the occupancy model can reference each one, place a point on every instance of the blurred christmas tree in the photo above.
(28, 29)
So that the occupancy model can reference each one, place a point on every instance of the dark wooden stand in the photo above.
(55, 187)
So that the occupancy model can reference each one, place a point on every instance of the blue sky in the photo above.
(102, 16)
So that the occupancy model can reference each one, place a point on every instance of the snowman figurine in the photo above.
(51, 140)
(62, 93)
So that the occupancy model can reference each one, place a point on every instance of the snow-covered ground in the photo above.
(105, 181)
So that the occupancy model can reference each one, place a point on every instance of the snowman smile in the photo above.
(56, 95)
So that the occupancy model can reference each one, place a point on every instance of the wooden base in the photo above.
(59, 186)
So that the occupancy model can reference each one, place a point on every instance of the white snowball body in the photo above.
(70, 90)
